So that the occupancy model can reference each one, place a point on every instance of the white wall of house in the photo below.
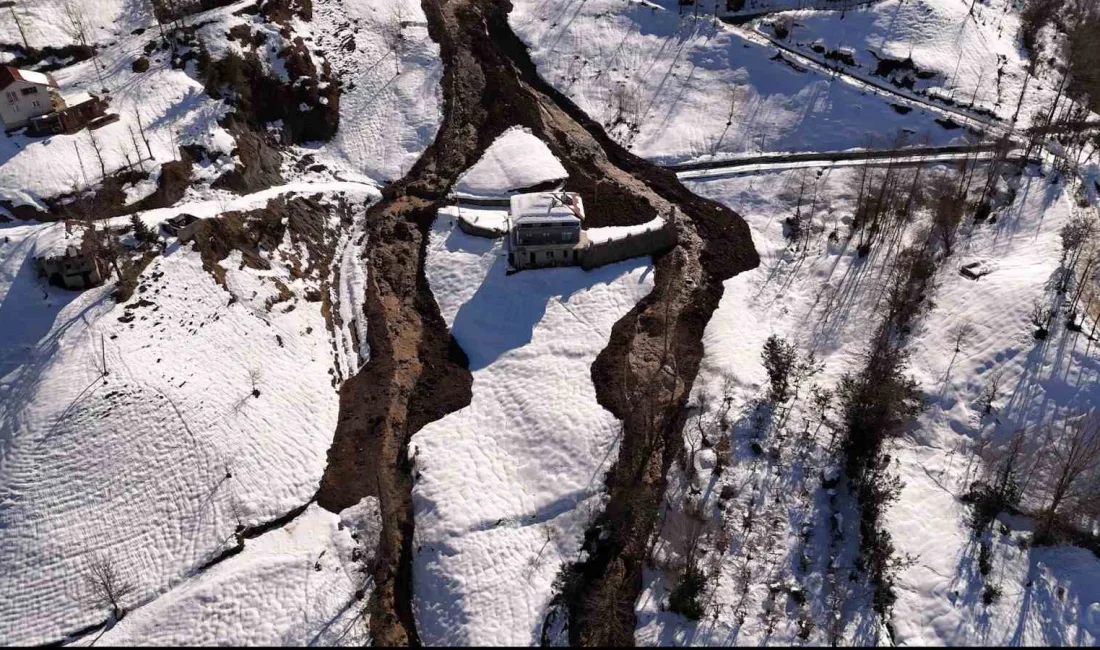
(21, 101)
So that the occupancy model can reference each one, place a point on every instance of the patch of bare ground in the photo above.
(417, 373)
(109, 198)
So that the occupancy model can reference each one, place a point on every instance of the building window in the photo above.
(12, 97)
(35, 103)
(30, 91)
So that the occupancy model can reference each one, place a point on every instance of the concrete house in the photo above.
(25, 95)
(74, 269)
(545, 229)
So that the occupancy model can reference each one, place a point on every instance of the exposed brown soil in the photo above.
(417, 373)
(109, 198)
(258, 233)
(260, 164)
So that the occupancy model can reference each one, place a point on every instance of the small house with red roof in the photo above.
(25, 94)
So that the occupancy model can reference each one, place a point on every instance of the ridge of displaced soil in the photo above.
(417, 373)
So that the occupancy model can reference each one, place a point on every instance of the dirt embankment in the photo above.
(109, 198)
(417, 373)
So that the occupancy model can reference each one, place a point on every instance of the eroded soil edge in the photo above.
(417, 373)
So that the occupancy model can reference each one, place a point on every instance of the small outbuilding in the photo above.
(181, 226)
(65, 256)
(73, 114)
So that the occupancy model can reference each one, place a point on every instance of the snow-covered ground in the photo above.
(156, 462)
(694, 89)
(517, 159)
(391, 103)
(153, 462)
(506, 486)
(939, 598)
(973, 57)
(46, 22)
(299, 585)
(171, 106)
(825, 302)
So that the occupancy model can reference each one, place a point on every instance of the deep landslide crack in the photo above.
(417, 373)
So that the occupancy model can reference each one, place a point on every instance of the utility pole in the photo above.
(10, 4)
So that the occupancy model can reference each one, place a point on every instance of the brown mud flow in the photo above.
(417, 373)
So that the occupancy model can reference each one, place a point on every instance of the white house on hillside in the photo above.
(545, 230)
(24, 95)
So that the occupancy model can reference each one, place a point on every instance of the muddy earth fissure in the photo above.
(417, 373)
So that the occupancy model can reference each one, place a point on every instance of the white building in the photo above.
(545, 229)
(25, 94)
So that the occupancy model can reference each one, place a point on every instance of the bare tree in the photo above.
(1073, 465)
(80, 159)
(1041, 317)
(141, 130)
(106, 585)
(254, 375)
(1076, 237)
(76, 21)
(391, 28)
(960, 333)
(19, 24)
(947, 210)
(990, 393)
(98, 154)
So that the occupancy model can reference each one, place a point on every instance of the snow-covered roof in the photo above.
(9, 75)
(56, 240)
(515, 160)
(547, 206)
(76, 97)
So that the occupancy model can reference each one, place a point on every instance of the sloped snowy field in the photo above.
(940, 597)
(390, 103)
(516, 160)
(677, 77)
(147, 462)
(976, 56)
(295, 585)
(506, 486)
(940, 594)
(156, 463)
(45, 22)
(174, 109)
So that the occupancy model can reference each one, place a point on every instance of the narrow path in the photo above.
(860, 81)
(417, 373)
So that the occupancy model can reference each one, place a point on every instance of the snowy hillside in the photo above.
(516, 160)
(507, 485)
(276, 219)
(154, 397)
(675, 89)
(969, 58)
(823, 298)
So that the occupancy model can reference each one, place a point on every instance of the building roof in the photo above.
(9, 75)
(76, 97)
(547, 206)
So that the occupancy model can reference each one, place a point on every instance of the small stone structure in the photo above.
(471, 226)
(76, 268)
(181, 226)
(631, 244)
(87, 110)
